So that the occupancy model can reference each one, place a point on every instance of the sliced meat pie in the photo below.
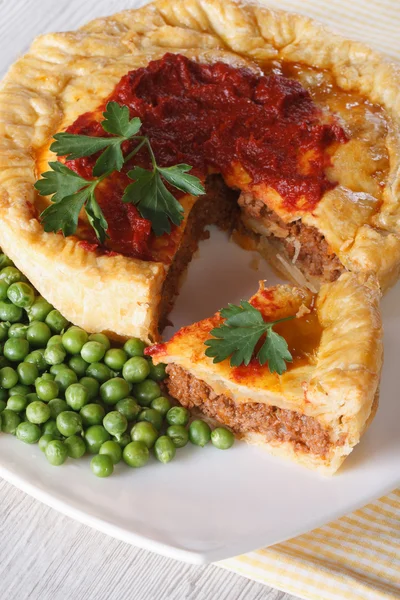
(317, 410)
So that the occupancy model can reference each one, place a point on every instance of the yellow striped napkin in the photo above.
(356, 557)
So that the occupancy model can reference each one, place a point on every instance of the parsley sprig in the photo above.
(239, 335)
(70, 193)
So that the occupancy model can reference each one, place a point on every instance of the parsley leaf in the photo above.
(111, 159)
(64, 214)
(239, 335)
(117, 121)
(177, 177)
(275, 352)
(154, 202)
(71, 193)
(74, 146)
(61, 182)
(96, 217)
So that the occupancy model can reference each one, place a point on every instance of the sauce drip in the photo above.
(214, 117)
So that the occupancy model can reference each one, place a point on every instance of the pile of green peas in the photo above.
(74, 394)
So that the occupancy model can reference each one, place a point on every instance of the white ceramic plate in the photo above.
(208, 505)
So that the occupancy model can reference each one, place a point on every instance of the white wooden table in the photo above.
(44, 555)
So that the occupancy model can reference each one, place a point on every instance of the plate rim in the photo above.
(169, 550)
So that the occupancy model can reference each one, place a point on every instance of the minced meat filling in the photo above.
(276, 424)
(314, 257)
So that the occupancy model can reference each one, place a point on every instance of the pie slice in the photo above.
(317, 410)
(289, 126)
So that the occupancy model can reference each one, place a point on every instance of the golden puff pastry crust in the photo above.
(337, 349)
(66, 74)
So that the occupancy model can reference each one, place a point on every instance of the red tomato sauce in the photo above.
(211, 116)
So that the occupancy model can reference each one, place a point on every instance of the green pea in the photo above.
(129, 408)
(134, 347)
(4, 394)
(136, 369)
(144, 432)
(115, 423)
(39, 310)
(56, 452)
(179, 435)
(44, 440)
(21, 294)
(115, 358)
(95, 436)
(55, 369)
(113, 390)
(113, 450)
(101, 338)
(65, 378)
(3, 290)
(222, 438)
(76, 447)
(10, 275)
(3, 404)
(69, 423)
(37, 412)
(164, 449)
(46, 390)
(9, 421)
(157, 372)
(16, 349)
(10, 312)
(5, 261)
(57, 406)
(92, 414)
(28, 433)
(31, 397)
(56, 321)
(54, 355)
(122, 440)
(17, 330)
(38, 334)
(74, 339)
(4, 329)
(151, 416)
(102, 465)
(78, 365)
(136, 454)
(93, 352)
(161, 404)
(20, 389)
(17, 403)
(76, 396)
(50, 428)
(146, 391)
(177, 415)
(55, 340)
(8, 377)
(92, 386)
(199, 433)
(47, 377)
(27, 373)
(99, 371)
(37, 358)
